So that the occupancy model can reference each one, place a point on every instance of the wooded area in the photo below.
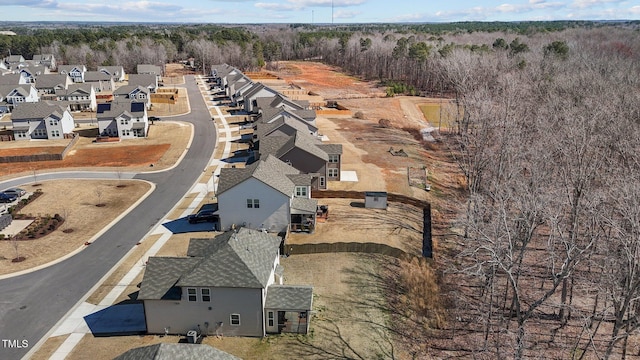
(547, 260)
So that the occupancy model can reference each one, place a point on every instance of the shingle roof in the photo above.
(69, 68)
(270, 171)
(300, 205)
(10, 79)
(241, 260)
(331, 149)
(96, 76)
(169, 351)
(23, 90)
(116, 108)
(149, 69)
(277, 146)
(75, 88)
(289, 297)
(37, 110)
(49, 81)
(146, 80)
(300, 179)
(161, 275)
(114, 71)
(127, 89)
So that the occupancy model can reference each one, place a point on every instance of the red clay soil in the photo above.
(122, 156)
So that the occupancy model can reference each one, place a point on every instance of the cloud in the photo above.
(583, 4)
(276, 6)
(343, 14)
(30, 3)
(294, 5)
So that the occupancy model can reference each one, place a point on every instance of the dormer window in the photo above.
(301, 191)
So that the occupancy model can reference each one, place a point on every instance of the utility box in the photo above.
(375, 200)
(193, 337)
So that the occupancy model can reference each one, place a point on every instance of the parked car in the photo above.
(15, 191)
(7, 198)
(203, 216)
(154, 118)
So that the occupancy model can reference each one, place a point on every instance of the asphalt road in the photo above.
(31, 304)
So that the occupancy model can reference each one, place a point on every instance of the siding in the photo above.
(273, 213)
(182, 316)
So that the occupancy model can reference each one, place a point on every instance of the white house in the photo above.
(137, 93)
(81, 97)
(124, 119)
(13, 95)
(41, 120)
(75, 72)
(268, 194)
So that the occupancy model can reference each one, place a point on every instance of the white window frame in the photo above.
(301, 191)
(205, 294)
(334, 158)
(322, 181)
(270, 318)
(253, 203)
(192, 294)
(333, 172)
(234, 319)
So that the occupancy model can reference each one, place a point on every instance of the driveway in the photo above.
(31, 304)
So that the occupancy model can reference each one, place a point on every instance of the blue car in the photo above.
(7, 198)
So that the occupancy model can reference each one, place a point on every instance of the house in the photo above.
(47, 60)
(150, 69)
(30, 72)
(13, 60)
(254, 92)
(280, 101)
(233, 82)
(170, 351)
(100, 81)
(41, 120)
(75, 72)
(268, 114)
(136, 93)
(268, 194)
(50, 83)
(306, 154)
(12, 95)
(13, 79)
(115, 72)
(80, 97)
(285, 123)
(124, 119)
(229, 285)
(149, 81)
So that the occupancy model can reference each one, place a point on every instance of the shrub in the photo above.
(358, 115)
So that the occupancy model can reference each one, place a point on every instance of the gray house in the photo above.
(124, 119)
(41, 120)
(227, 285)
(75, 72)
(13, 95)
(169, 351)
(307, 154)
(47, 60)
(149, 81)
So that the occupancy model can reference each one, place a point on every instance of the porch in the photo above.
(303, 215)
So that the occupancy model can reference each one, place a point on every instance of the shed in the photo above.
(375, 199)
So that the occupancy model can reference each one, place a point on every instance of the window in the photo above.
(270, 316)
(333, 172)
(334, 158)
(206, 294)
(126, 133)
(301, 191)
(192, 294)
(124, 121)
(235, 319)
(253, 203)
(55, 133)
(321, 181)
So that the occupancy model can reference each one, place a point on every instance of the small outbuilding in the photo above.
(375, 199)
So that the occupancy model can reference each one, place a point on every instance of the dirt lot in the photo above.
(74, 200)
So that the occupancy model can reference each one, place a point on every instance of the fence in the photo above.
(40, 157)
(369, 248)
(427, 241)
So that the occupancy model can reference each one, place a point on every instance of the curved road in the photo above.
(31, 304)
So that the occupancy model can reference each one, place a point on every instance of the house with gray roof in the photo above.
(41, 120)
(75, 72)
(149, 81)
(13, 95)
(100, 81)
(80, 97)
(268, 195)
(12, 78)
(223, 287)
(171, 351)
(137, 93)
(50, 83)
(149, 69)
(307, 154)
(124, 119)
(13, 60)
(115, 72)
(46, 60)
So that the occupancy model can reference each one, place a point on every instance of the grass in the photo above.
(443, 115)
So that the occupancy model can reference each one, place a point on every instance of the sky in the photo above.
(315, 11)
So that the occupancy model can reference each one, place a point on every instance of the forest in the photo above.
(546, 261)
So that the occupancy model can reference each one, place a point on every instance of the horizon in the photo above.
(316, 12)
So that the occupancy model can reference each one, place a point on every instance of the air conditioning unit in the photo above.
(192, 337)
